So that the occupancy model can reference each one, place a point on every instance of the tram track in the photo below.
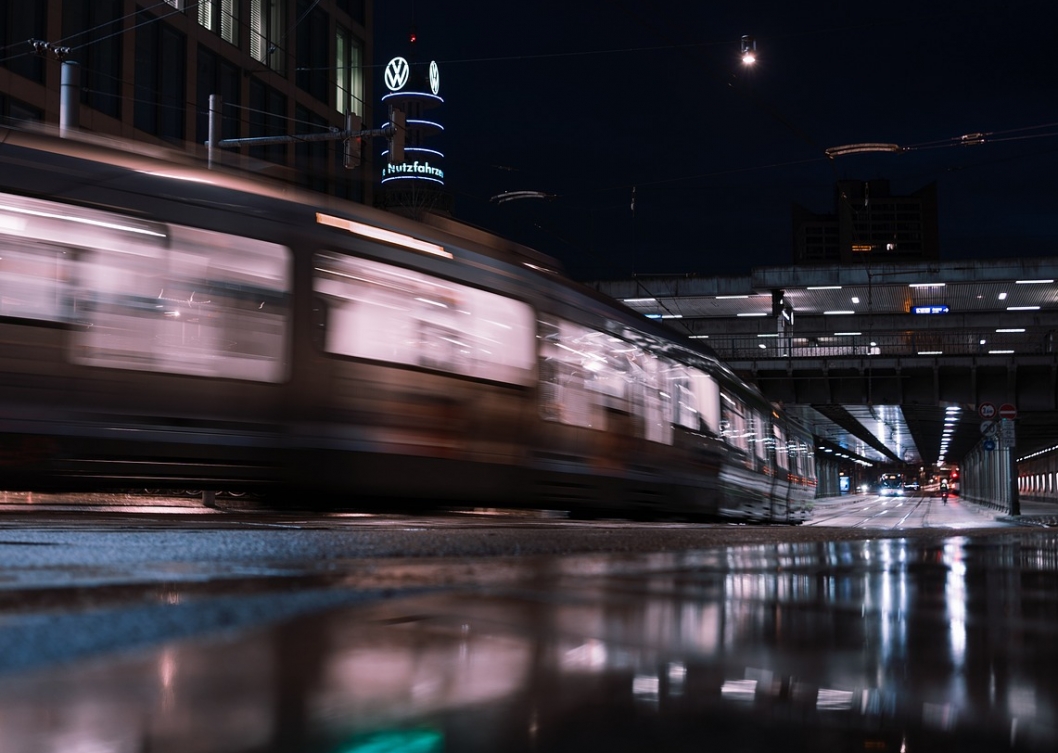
(873, 512)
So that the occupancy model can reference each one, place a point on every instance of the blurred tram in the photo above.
(891, 485)
(165, 325)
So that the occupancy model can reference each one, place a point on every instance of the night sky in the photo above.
(586, 100)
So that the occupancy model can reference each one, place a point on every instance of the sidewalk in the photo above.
(1044, 514)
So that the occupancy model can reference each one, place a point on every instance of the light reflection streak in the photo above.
(955, 598)
(739, 690)
(646, 688)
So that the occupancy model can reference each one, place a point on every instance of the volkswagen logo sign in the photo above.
(435, 77)
(397, 71)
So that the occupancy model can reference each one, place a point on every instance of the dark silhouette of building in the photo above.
(869, 219)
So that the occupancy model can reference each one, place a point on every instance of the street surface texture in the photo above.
(134, 624)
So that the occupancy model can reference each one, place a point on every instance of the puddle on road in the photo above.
(857, 645)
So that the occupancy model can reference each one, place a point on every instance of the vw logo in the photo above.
(435, 77)
(397, 71)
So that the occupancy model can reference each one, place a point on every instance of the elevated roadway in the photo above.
(878, 359)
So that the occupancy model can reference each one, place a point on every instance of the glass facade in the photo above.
(217, 75)
(94, 26)
(161, 56)
(349, 94)
(148, 71)
(221, 17)
(268, 108)
(19, 22)
(267, 33)
(313, 68)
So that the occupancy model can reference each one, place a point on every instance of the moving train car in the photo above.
(166, 325)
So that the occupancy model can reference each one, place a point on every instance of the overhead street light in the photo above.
(749, 50)
(516, 195)
(841, 151)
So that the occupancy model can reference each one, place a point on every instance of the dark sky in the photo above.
(586, 100)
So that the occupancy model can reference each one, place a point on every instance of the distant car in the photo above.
(912, 486)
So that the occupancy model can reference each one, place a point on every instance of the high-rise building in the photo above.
(147, 69)
(868, 219)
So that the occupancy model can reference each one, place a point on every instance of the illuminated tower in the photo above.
(416, 184)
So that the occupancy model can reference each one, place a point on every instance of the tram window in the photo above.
(571, 369)
(387, 313)
(38, 244)
(782, 452)
(733, 422)
(707, 393)
(684, 402)
(589, 378)
(656, 407)
(208, 304)
(149, 297)
(758, 435)
(33, 280)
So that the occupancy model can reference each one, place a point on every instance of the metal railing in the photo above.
(899, 345)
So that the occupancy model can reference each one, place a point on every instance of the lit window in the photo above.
(266, 32)
(349, 96)
(219, 16)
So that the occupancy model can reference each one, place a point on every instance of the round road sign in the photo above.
(1006, 410)
(986, 410)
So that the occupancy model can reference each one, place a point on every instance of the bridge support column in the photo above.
(990, 478)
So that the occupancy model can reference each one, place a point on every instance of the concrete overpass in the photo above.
(878, 359)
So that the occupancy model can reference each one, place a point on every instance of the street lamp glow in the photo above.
(749, 50)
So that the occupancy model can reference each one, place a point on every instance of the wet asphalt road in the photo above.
(883, 626)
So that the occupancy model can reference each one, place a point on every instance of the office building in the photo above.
(147, 69)
(869, 224)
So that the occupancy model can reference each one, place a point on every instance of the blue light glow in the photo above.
(407, 95)
(412, 177)
(424, 123)
(416, 149)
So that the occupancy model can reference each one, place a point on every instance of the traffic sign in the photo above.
(988, 427)
(1006, 432)
(990, 444)
(1006, 410)
(986, 410)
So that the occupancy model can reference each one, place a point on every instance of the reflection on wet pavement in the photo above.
(891, 644)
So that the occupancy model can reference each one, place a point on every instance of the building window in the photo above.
(350, 73)
(161, 59)
(15, 111)
(19, 22)
(268, 109)
(221, 17)
(313, 66)
(217, 76)
(266, 33)
(310, 157)
(95, 27)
